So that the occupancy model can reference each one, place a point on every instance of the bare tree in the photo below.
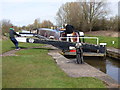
(69, 13)
(61, 16)
(96, 11)
(30, 27)
(36, 23)
(5, 26)
(46, 24)
(83, 15)
(113, 23)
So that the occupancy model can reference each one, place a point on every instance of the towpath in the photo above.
(72, 68)
(80, 70)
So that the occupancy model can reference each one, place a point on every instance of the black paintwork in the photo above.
(63, 45)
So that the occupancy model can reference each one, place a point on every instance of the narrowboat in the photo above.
(67, 42)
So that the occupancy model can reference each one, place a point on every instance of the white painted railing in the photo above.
(97, 39)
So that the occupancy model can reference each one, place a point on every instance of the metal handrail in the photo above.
(97, 39)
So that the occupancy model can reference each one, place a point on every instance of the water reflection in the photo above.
(109, 66)
(97, 62)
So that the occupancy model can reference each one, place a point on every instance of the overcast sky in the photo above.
(24, 12)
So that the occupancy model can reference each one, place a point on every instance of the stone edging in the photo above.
(81, 70)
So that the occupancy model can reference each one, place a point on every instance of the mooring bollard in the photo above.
(79, 53)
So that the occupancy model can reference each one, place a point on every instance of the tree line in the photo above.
(6, 24)
(87, 16)
(84, 16)
(38, 24)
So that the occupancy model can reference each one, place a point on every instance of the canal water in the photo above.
(109, 65)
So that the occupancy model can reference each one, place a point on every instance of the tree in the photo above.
(5, 26)
(69, 13)
(113, 23)
(24, 27)
(46, 24)
(96, 10)
(118, 23)
(30, 27)
(83, 15)
(36, 23)
(60, 16)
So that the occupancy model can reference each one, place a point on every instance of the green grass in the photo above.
(105, 39)
(34, 68)
(0, 46)
(7, 45)
(0, 65)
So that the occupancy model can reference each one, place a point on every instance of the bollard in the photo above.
(79, 53)
(103, 45)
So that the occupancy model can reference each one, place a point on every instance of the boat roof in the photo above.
(46, 29)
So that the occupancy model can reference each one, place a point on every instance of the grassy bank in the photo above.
(7, 45)
(106, 39)
(34, 68)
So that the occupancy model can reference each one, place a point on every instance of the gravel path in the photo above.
(12, 52)
(9, 53)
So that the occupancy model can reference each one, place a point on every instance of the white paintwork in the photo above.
(71, 48)
(31, 40)
(17, 32)
(81, 33)
(26, 35)
(113, 42)
(21, 39)
(97, 39)
(103, 44)
(68, 35)
(78, 44)
(51, 37)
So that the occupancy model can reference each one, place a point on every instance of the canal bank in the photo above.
(113, 52)
(80, 70)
